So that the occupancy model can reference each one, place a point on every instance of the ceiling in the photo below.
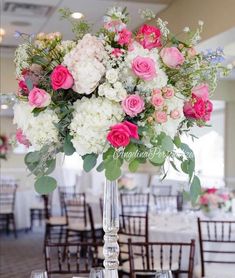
(45, 18)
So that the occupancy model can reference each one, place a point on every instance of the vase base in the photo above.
(110, 273)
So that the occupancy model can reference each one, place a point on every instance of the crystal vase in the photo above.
(111, 227)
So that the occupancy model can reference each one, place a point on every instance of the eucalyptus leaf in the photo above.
(157, 156)
(51, 166)
(195, 189)
(32, 157)
(167, 144)
(133, 166)
(68, 145)
(89, 161)
(177, 141)
(45, 185)
(100, 167)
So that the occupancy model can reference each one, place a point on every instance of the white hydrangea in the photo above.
(91, 121)
(39, 130)
(115, 92)
(85, 63)
(21, 59)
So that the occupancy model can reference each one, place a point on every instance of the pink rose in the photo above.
(124, 37)
(133, 105)
(209, 109)
(120, 134)
(22, 85)
(195, 109)
(161, 117)
(175, 114)
(172, 57)
(149, 36)
(133, 129)
(211, 190)
(168, 92)
(157, 100)
(144, 67)
(201, 91)
(21, 138)
(117, 52)
(39, 98)
(61, 78)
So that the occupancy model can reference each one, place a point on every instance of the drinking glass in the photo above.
(97, 272)
(163, 274)
(39, 273)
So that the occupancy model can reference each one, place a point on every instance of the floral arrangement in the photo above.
(4, 146)
(212, 199)
(126, 183)
(128, 96)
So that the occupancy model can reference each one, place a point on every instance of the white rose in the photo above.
(112, 75)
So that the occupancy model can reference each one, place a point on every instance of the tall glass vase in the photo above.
(111, 227)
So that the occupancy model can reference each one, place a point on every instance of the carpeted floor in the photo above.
(18, 257)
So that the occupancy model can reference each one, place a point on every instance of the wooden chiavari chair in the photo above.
(71, 258)
(175, 256)
(134, 203)
(7, 206)
(217, 248)
(163, 190)
(164, 202)
(55, 225)
(135, 227)
(64, 193)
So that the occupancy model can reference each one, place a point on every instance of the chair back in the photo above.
(164, 202)
(134, 226)
(134, 203)
(71, 258)
(76, 208)
(217, 242)
(101, 201)
(63, 192)
(152, 256)
(7, 197)
(163, 190)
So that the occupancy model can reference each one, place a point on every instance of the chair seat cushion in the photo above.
(57, 221)
(5, 210)
(125, 267)
(216, 271)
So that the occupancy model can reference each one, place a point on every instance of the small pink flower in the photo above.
(192, 52)
(157, 92)
(39, 98)
(168, 92)
(144, 67)
(124, 37)
(21, 138)
(203, 200)
(133, 105)
(175, 114)
(120, 134)
(22, 86)
(157, 100)
(149, 36)
(172, 57)
(61, 78)
(161, 117)
(117, 52)
(201, 91)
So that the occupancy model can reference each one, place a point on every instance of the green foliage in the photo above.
(133, 166)
(45, 185)
(89, 161)
(167, 144)
(157, 156)
(79, 27)
(195, 189)
(68, 145)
